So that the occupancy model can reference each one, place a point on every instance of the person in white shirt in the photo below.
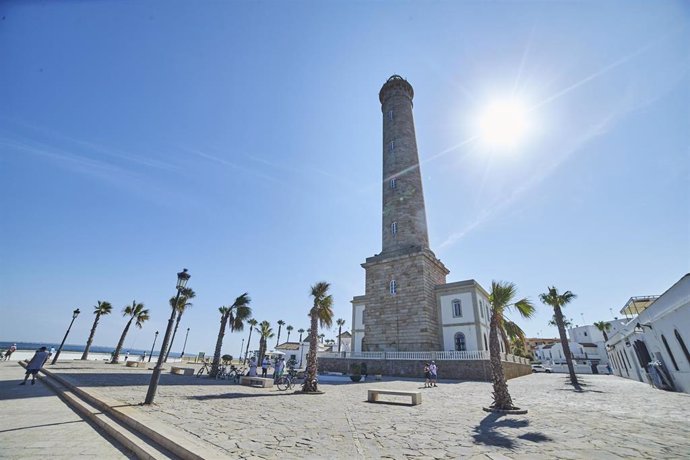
(433, 370)
(35, 365)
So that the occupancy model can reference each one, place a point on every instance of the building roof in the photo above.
(636, 305)
(345, 335)
(288, 346)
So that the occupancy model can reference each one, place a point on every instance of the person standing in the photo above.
(427, 376)
(433, 370)
(35, 365)
(264, 367)
(278, 371)
(252, 367)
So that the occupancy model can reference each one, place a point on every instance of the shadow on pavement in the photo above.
(123, 379)
(485, 432)
(237, 396)
(39, 426)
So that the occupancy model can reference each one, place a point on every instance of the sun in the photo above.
(504, 123)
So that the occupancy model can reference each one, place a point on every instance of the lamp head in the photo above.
(75, 313)
(182, 279)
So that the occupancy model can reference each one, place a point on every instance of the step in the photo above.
(142, 447)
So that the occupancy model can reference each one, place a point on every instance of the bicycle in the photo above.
(205, 368)
(287, 381)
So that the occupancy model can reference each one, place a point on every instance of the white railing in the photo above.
(424, 356)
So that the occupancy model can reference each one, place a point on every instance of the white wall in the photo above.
(467, 308)
(470, 332)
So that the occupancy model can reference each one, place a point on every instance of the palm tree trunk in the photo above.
(85, 355)
(262, 349)
(310, 384)
(502, 399)
(120, 344)
(340, 331)
(246, 352)
(177, 324)
(278, 338)
(219, 345)
(566, 347)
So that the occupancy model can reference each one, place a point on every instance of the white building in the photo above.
(658, 331)
(463, 310)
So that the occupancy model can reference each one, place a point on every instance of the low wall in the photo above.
(455, 370)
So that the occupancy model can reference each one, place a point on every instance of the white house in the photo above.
(659, 332)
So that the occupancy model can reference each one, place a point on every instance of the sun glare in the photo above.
(504, 123)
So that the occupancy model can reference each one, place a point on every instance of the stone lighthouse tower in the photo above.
(399, 311)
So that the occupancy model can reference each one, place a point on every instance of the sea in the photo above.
(79, 348)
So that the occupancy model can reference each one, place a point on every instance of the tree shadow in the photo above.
(535, 437)
(235, 396)
(485, 432)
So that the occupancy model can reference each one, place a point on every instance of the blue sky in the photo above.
(243, 141)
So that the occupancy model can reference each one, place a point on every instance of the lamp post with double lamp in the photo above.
(185, 344)
(155, 337)
(182, 279)
(75, 313)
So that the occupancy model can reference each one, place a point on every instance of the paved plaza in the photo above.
(611, 418)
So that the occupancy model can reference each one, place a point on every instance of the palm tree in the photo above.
(501, 300)
(321, 337)
(301, 331)
(604, 327)
(252, 325)
(182, 305)
(136, 312)
(235, 315)
(265, 332)
(289, 329)
(567, 323)
(321, 314)
(340, 322)
(281, 323)
(557, 301)
(103, 308)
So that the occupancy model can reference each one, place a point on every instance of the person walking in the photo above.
(264, 367)
(427, 376)
(433, 370)
(35, 365)
(9, 351)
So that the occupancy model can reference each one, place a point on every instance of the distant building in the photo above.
(531, 343)
(652, 345)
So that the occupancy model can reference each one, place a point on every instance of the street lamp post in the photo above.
(75, 313)
(155, 337)
(185, 344)
(182, 279)
(241, 348)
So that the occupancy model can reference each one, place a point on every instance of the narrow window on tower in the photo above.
(393, 287)
(394, 228)
(394, 184)
(390, 115)
(391, 146)
(457, 308)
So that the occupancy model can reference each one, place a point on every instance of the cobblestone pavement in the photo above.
(35, 423)
(611, 418)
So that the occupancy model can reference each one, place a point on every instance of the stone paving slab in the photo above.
(611, 418)
(35, 423)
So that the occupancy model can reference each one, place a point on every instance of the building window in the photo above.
(481, 309)
(460, 344)
(668, 349)
(394, 228)
(457, 308)
(391, 146)
(393, 287)
(682, 344)
(486, 346)
(488, 312)
(394, 183)
(585, 334)
(390, 115)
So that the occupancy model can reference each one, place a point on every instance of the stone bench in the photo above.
(373, 395)
(182, 370)
(256, 381)
(135, 364)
